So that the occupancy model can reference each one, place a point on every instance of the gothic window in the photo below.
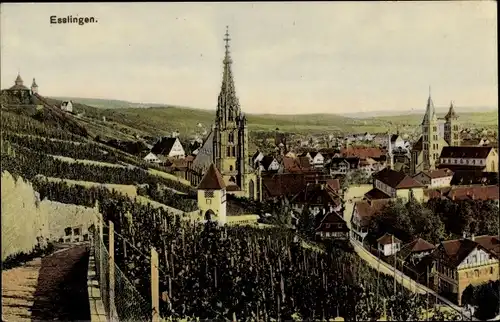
(228, 151)
(435, 128)
(230, 168)
(231, 138)
(234, 151)
(476, 273)
(209, 194)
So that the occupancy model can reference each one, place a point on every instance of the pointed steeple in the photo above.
(19, 80)
(212, 180)
(430, 112)
(451, 113)
(228, 107)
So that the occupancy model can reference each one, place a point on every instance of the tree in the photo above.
(307, 222)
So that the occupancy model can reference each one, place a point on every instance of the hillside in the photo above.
(129, 117)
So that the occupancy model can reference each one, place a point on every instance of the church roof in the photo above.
(19, 87)
(212, 180)
(205, 155)
(430, 112)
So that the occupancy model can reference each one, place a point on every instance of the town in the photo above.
(220, 220)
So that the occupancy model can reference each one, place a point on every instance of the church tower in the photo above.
(34, 87)
(230, 142)
(452, 127)
(430, 136)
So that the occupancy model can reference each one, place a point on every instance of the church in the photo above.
(19, 93)
(437, 133)
(226, 146)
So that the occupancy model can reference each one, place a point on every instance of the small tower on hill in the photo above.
(19, 80)
(34, 87)
(212, 196)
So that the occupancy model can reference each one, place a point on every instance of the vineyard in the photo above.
(205, 271)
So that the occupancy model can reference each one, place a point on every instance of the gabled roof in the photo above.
(451, 113)
(366, 209)
(163, 146)
(453, 252)
(212, 180)
(316, 194)
(333, 184)
(362, 152)
(439, 173)
(388, 239)
(491, 243)
(376, 194)
(476, 152)
(416, 246)
(396, 179)
(332, 222)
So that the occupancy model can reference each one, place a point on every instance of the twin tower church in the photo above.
(223, 164)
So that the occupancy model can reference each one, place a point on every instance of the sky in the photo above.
(288, 57)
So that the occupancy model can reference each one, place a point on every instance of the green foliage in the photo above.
(484, 298)
(466, 216)
(306, 224)
(170, 198)
(407, 221)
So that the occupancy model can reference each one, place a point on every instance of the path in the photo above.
(49, 288)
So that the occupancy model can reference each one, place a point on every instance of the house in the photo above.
(369, 166)
(269, 163)
(469, 158)
(362, 213)
(388, 184)
(463, 262)
(317, 198)
(465, 192)
(67, 106)
(343, 165)
(169, 147)
(411, 253)
(435, 178)
(388, 245)
(282, 185)
(317, 160)
(333, 226)
(151, 157)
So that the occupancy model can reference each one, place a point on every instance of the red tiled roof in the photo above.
(388, 239)
(461, 167)
(316, 194)
(439, 173)
(453, 252)
(376, 194)
(284, 184)
(396, 180)
(491, 243)
(233, 187)
(476, 152)
(474, 193)
(334, 184)
(366, 209)
(362, 152)
(212, 180)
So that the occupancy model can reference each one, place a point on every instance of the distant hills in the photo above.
(163, 119)
(439, 110)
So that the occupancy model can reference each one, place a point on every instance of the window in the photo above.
(455, 161)
(76, 231)
(209, 201)
(231, 138)
(234, 151)
(435, 128)
(230, 168)
(228, 151)
(491, 270)
(209, 193)
(476, 273)
(473, 161)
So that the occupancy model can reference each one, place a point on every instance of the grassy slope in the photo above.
(127, 118)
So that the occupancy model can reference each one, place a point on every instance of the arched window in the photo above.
(231, 137)
(230, 168)
(228, 151)
(234, 151)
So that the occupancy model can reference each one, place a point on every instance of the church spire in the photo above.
(228, 107)
(451, 113)
(430, 112)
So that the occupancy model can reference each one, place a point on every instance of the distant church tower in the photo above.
(452, 127)
(430, 136)
(34, 87)
(230, 144)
